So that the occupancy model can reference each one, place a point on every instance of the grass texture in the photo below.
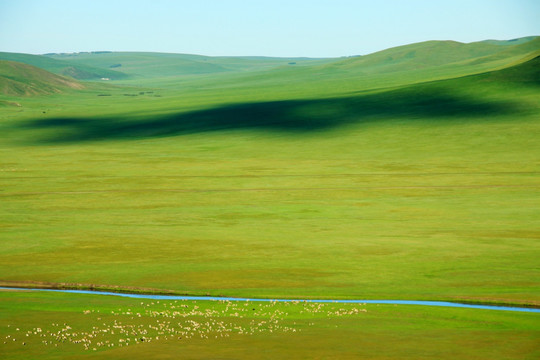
(410, 174)
(90, 326)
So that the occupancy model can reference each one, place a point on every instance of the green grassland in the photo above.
(82, 326)
(411, 173)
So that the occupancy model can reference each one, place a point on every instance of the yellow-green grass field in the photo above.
(314, 181)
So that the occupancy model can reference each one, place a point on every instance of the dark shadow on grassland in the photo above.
(293, 116)
(526, 73)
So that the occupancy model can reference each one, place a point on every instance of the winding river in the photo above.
(390, 302)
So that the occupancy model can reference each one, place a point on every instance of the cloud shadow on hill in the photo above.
(292, 116)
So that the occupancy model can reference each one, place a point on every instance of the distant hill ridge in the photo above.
(407, 64)
(478, 56)
(65, 68)
(438, 53)
(154, 65)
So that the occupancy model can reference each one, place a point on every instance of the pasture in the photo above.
(94, 326)
(312, 180)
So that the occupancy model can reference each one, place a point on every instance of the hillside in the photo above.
(431, 54)
(64, 68)
(413, 63)
(419, 56)
(405, 65)
(526, 72)
(22, 80)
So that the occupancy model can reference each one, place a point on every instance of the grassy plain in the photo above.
(89, 326)
(298, 181)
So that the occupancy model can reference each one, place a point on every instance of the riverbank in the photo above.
(53, 324)
(339, 301)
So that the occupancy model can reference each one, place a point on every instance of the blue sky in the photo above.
(314, 28)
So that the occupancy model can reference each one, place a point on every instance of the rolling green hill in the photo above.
(21, 80)
(414, 63)
(418, 62)
(525, 72)
(65, 68)
(331, 77)
(433, 54)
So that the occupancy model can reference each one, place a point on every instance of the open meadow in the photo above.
(90, 326)
(412, 173)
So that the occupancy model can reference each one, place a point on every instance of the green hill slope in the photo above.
(410, 64)
(65, 68)
(433, 54)
(416, 63)
(23, 79)
(526, 72)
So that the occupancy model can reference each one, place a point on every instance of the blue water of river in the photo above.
(212, 298)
